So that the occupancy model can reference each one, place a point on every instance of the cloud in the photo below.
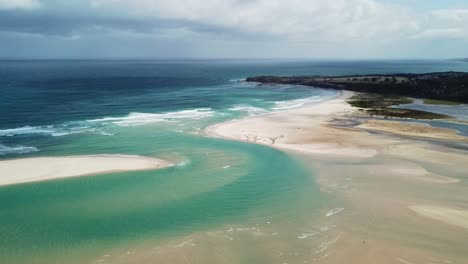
(444, 24)
(19, 4)
(292, 18)
(297, 20)
(453, 15)
(442, 33)
(354, 26)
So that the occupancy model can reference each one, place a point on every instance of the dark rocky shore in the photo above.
(450, 86)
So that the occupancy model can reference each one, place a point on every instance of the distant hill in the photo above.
(450, 86)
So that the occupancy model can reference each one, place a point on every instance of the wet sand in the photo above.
(47, 168)
(413, 129)
(447, 215)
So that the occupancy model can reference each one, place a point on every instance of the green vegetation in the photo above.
(440, 102)
(375, 104)
(369, 100)
(450, 86)
(405, 113)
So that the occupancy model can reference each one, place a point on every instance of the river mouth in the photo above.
(216, 183)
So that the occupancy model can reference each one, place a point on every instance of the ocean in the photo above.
(155, 108)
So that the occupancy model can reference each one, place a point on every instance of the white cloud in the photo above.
(323, 27)
(453, 15)
(19, 4)
(295, 20)
(298, 19)
(444, 24)
(442, 33)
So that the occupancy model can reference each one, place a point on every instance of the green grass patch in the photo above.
(368, 100)
(405, 113)
(379, 105)
(440, 102)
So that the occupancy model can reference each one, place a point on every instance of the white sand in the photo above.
(300, 130)
(47, 168)
(447, 215)
(309, 130)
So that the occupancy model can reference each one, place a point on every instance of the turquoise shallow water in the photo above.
(55, 217)
(156, 109)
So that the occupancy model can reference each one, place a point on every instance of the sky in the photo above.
(311, 29)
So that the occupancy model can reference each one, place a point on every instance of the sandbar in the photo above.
(378, 169)
(447, 215)
(17, 171)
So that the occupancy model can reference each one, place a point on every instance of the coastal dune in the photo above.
(47, 168)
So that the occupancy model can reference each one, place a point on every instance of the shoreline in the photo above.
(36, 169)
(322, 118)
(210, 131)
(389, 171)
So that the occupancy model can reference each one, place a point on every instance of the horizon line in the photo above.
(225, 58)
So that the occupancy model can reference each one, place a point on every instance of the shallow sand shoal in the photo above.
(412, 129)
(47, 168)
(376, 169)
(447, 215)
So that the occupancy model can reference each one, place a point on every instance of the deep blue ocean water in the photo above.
(55, 97)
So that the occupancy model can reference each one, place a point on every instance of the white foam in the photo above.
(51, 130)
(135, 119)
(106, 134)
(334, 211)
(283, 105)
(306, 235)
(4, 150)
(189, 243)
(251, 110)
(65, 132)
(238, 80)
(25, 130)
(183, 163)
(96, 126)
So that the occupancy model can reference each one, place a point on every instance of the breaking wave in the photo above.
(238, 80)
(135, 119)
(97, 126)
(5, 150)
(283, 105)
(51, 130)
(24, 131)
(251, 110)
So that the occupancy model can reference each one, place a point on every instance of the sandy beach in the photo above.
(391, 178)
(47, 168)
